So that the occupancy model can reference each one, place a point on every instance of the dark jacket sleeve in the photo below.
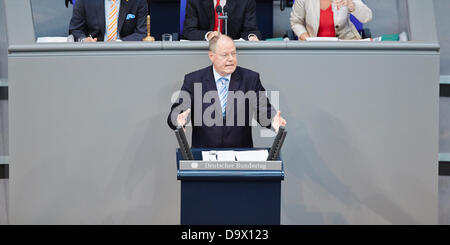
(181, 104)
(77, 26)
(250, 26)
(191, 24)
(141, 23)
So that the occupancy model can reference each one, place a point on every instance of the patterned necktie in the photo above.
(112, 27)
(223, 94)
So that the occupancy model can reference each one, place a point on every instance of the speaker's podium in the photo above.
(229, 193)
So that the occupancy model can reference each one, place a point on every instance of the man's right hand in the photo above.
(278, 121)
(89, 40)
(181, 119)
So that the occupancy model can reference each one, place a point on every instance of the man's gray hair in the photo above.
(213, 42)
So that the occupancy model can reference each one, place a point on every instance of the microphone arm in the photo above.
(219, 11)
(225, 10)
(224, 17)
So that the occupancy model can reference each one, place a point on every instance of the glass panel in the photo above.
(51, 18)
(385, 18)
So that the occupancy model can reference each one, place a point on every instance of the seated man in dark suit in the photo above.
(223, 98)
(202, 22)
(109, 20)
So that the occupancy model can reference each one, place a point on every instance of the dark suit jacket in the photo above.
(89, 18)
(225, 135)
(200, 19)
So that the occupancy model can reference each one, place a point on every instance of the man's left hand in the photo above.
(278, 121)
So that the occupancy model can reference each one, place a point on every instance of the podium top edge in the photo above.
(203, 45)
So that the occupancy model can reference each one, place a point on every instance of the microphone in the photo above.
(282, 5)
(69, 1)
(225, 17)
(218, 9)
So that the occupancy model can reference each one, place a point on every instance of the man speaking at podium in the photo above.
(223, 99)
(202, 19)
(109, 20)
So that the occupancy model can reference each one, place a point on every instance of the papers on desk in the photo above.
(259, 155)
(51, 40)
(256, 155)
(226, 156)
(335, 39)
(185, 40)
(359, 40)
(218, 156)
(322, 39)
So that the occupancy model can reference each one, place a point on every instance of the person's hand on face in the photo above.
(213, 34)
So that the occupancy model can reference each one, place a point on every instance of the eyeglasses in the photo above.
(224, 56)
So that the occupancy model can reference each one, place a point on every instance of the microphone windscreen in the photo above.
(219, 9)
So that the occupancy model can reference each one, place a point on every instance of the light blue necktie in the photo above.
(223, 93)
